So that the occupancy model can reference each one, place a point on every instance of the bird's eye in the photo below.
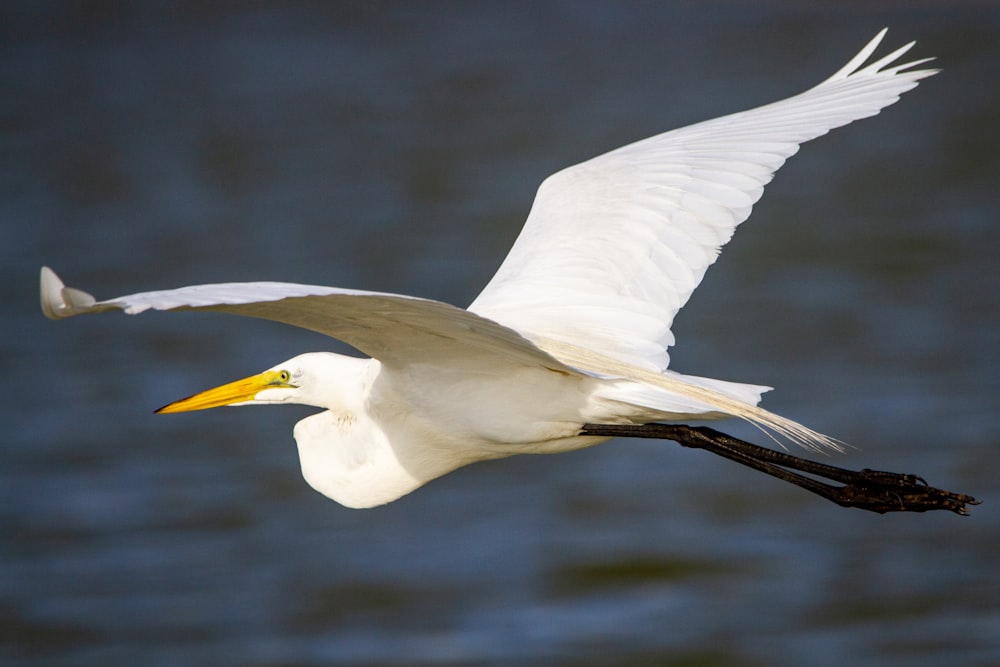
(279, 378)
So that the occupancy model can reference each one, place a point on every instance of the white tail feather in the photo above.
(590, 361)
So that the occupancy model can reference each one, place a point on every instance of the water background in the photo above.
(397, 146)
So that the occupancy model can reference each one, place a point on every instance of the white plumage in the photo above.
(573, 328)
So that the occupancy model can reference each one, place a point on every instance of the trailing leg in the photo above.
(871, 490)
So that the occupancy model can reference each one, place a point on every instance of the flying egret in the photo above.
(566, 345)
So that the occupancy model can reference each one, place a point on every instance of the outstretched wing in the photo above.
(395, 329)
(401, 330)
(613, 247)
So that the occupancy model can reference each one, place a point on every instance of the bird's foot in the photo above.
(881, 491)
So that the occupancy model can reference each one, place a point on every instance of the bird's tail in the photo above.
(720, 398)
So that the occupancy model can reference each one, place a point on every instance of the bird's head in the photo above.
(316, 379)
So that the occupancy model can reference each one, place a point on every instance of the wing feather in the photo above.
(393, 328)
(614, 247)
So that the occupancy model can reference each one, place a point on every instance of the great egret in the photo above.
(566, 346)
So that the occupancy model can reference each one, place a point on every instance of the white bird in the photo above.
(572, 330)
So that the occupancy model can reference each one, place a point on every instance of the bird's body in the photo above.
(390, 436)
(572, 330)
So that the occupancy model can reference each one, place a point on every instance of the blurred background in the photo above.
(397, 146)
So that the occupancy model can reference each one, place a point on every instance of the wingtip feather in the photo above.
(59, 301)
(50, 291)
(856, 65)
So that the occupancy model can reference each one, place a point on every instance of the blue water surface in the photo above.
(397, 146)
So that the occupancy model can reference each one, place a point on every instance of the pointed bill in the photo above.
(240, 391)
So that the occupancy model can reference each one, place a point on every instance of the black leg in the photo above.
(871, 490)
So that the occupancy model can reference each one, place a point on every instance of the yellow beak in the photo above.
(234, 392)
